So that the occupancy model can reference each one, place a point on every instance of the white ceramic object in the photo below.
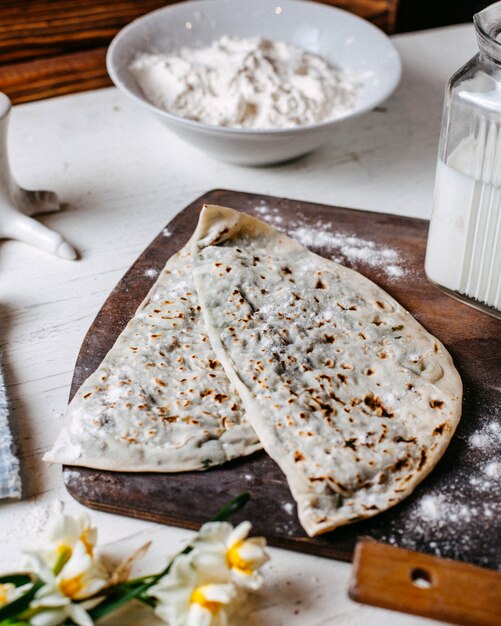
(17, 205)
(346, 41)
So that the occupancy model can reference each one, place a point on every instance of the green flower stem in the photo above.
(148, 600)
(63, 558)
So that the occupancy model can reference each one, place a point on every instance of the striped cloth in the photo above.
(10, 476)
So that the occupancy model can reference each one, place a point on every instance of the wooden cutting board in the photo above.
(453, 513)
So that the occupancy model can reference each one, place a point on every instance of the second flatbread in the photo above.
(348, 393)
(160, 400)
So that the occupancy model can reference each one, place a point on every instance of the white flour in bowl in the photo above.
(246, 83)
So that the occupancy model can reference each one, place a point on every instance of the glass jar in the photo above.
(463, 254)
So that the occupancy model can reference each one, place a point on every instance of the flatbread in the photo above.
(353, 399)
(160, 400)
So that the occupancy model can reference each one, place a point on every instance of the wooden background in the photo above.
(52, 47)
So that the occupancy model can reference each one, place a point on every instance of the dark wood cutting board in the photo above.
(453, 513)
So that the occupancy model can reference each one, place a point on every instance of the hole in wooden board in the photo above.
(421, 578)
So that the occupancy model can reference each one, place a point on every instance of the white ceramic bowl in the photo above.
(346, 41)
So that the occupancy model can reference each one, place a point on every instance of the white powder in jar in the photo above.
(246, 83)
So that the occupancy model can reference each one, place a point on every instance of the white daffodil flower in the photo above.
(65, 532)
(81, 577)
(58, 615)
(244, 556)
(196, 591)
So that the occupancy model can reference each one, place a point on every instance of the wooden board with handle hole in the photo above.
(421, 584)
(465, 503)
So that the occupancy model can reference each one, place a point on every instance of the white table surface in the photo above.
(124, 177)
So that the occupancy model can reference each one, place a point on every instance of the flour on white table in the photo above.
(246, 83)
(343, 247)
(41, 514)
(34, 520)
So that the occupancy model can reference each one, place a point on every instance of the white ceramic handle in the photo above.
(17, 205)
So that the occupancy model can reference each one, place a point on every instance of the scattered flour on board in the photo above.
(288, 507)
(450, 517)
(166, 232)
(493, 470)
(343, 247)
(488, 436)
(438, 510)
(432, 507)
(151, 272)
(270, 216)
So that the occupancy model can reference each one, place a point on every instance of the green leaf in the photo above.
(16, 579)
(13, 609)
(231, 508)
(115, 600)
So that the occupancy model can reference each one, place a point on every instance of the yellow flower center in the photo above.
(3, 594)
(70, 587)
(236, 561)
(88, 546)
(198, 596)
